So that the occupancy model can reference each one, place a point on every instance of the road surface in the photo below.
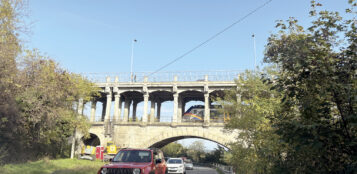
(201, 170)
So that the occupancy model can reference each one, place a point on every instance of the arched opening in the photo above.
(92, 140)
(167, 141)
(191, 148)
(162, 108)
(131, 107)
(192, 107)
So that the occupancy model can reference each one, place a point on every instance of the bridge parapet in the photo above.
(182, 76)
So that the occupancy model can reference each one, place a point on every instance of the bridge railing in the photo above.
(183, 76)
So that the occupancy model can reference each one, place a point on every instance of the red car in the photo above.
(136, 161)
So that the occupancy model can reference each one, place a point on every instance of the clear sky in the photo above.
(92, 36)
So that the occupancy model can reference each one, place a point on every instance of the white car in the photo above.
(175, 165)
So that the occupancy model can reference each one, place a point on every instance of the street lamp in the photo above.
(132, 59)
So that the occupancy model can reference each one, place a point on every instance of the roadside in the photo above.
(60, 166)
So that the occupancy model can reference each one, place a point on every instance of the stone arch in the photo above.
(167, 141)
(164, 139)
(132, 94)
(190, 90)
(161, 95)
(92, 140)
(192, 95)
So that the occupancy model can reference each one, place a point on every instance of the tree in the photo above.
(317, 78)
(37, 114)
(251, 106)
(10, 27)
(174, 150)
(216, 156)
(46, 116)
(196, 151)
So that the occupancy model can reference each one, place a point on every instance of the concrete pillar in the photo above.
(152, 111)
(104, 105)
(174, 117)
(135, 104)
(179, 110)
(158, 110)
(107, 109)
(119, 109)
(145, 114)
(126, 110)
(93, 110)
(116, 107)
(207, 109)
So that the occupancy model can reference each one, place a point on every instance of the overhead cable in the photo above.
(211, 38)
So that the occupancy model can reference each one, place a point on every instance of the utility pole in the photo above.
(132, 60)
(255, 54)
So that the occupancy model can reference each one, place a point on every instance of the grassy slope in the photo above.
(60, 166)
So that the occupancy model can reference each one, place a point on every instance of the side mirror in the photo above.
(158, 161)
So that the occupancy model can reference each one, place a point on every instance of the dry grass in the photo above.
(59, 166)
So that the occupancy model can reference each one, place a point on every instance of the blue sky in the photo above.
(95, 36)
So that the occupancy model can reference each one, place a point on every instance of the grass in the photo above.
(59, 166)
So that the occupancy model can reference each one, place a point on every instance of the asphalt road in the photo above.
(201, 170)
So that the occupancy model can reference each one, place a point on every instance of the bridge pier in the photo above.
(207, 110)
(158, 110)
(145, 114)
(126, 109)
(152, 110)
(116, 107)
(93, 110)
(108, 107)
(135, 105)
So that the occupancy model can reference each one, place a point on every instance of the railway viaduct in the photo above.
(149, 129)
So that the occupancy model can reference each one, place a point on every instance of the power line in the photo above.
(212, 37)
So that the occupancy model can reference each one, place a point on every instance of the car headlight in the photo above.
(104, 171)
(136, 171)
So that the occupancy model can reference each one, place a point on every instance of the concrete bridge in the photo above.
(149, 129)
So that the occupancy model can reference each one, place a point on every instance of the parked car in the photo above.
(136, 161)
(175, 165)
(188, 164)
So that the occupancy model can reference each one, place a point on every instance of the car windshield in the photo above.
(174, 161)
(138, 156)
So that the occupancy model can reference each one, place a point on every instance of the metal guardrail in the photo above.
(164, 76)
(225, 169)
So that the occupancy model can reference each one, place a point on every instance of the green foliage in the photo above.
(317, 78)
(251, 107)
(174, 150)
(301, 117)
(37, 116)
(196, 151)
(216, 156)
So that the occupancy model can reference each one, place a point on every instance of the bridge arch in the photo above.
(167, 141)
(161, 95)
(216, 136)
(92, 140)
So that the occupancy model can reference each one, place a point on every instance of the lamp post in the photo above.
(255, 54)
(132, 59)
